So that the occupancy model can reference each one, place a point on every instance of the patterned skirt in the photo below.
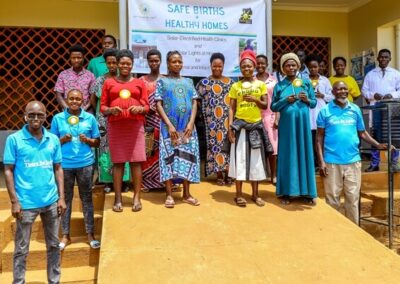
(180, 162)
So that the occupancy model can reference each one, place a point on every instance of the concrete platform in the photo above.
(219, 242)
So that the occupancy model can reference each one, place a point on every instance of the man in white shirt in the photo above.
(381, 83)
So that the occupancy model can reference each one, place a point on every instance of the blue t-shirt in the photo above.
(341, 132)
(33, 162)
(75, 154)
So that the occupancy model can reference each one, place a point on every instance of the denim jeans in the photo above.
(377, 134)
(51, 222)
(83, 177)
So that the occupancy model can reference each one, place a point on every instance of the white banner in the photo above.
(196, 30)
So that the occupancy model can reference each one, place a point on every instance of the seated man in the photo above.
(339, 127)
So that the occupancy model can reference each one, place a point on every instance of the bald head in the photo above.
(339, 84)
(35, 106)
(340, 92)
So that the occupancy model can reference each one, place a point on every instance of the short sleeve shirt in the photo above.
(75, 154)
(247, 111)
(341, 132)
(69, 79)
(98, 66)
(33, 161)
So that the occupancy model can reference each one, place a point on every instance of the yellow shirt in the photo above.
(248, 111)
(354, 90)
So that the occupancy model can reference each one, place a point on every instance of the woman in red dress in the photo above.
(124, 100)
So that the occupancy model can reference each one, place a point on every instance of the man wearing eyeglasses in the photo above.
(34, 180)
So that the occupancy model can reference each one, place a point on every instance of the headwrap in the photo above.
(287, 57)
(248, 54)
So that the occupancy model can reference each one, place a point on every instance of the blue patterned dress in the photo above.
(182, 161)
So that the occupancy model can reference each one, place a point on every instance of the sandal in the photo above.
(220, 181)
(169, 202)
(228, 181)
(117, 207)
(285, 201)
(191, 200)
(94, 244)
(240, 201)
(258, 201)
(137, 207)
(310, 201)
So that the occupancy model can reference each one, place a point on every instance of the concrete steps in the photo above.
(77, 226)
(81, 275)
(78, 253)
(78, 261)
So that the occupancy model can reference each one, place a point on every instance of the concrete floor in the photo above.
(219, 242)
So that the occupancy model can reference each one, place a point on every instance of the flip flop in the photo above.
(169, 202)
(228, 181)
(240, 201)
(310, 201)
(94, 244)
(220, 181)
(117, 207)
(192, 201)
(258, 201)
(137, 207)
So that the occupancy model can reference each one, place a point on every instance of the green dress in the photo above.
(295, 171)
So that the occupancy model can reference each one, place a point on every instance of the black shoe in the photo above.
(372, 169)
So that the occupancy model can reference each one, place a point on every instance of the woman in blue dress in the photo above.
(179, 148)
(293, 97)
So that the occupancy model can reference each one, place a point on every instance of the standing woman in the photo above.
(151, 168)
(124, 101)
(339, 65)
(179, 148)
(323, 93)
(270, 118)
(215, 108)
(78, 133)
(246, 131)
(293, 97)
(104, 160)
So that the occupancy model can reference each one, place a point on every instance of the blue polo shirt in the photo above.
(33, 162)
(75, 154)
(341, 132)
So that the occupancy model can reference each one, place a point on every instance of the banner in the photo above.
(196, 29)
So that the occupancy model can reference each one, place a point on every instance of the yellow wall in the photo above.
(365, 21)
(60, 14)
(318, 24)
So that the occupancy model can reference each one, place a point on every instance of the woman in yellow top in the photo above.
(339, 64)
(246, 130)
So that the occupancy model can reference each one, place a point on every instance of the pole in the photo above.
(390, 175)
(123, 43)
(268, 25)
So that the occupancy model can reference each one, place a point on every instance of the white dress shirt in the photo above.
(376, 82)
(323, 87)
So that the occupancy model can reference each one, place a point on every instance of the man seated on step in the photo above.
(339, 127)
(34, 180)
(381, 83)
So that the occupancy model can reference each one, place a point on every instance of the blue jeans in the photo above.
(83, 177)
(51, 222)
(377, 135)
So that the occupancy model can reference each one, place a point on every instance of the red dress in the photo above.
(126, 130)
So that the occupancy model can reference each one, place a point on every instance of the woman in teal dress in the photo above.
(293, 97)
(179, 147)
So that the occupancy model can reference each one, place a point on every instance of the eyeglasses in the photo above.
(39, 116)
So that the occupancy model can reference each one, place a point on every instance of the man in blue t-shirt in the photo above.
(339, 127)
(34, 180)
